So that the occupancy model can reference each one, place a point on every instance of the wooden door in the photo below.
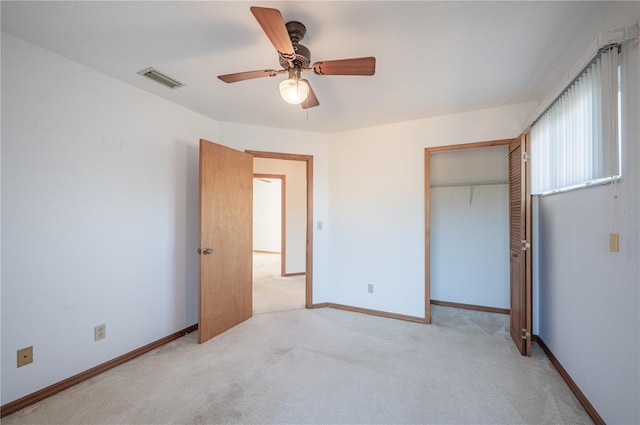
(519, 247)
(225, 243)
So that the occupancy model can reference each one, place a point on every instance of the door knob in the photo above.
(207, 251)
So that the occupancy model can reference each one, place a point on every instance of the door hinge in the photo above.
(525, 156)
(525, 334)
(525, 245)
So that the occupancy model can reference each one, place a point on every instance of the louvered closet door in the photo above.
(520, 326)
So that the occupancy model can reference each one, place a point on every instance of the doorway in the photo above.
(273, 288)
(225, 236)
(269, 215)
(298, 261)
(516, 191)
(469, 215)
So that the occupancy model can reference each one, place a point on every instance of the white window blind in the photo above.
(575, 141)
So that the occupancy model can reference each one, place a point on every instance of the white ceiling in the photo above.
(433, 58)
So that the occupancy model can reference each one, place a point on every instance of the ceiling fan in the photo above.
(295, 59)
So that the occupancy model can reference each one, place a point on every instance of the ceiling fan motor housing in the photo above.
(296, 31)
(302, 58)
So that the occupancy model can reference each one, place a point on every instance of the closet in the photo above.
(469, 227)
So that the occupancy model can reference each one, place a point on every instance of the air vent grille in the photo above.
(161, 78)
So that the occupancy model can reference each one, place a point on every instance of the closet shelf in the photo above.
(475, 183)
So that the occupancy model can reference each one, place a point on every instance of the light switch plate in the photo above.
(614, 242)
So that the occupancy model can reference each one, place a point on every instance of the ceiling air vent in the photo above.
(159, 77)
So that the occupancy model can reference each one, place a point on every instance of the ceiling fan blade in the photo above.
(311, 100)
(274, 27)
(249, 75)
(357, 66)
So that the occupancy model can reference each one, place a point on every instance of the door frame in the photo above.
(308, 159)
(427, 208)
(283, 215)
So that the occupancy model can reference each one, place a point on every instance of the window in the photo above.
(576, 141)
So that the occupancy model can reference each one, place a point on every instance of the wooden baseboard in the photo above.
(32, 398)
(258, 251)
(472, 307)
(293, 274)
(319, 305)
(377, 313)
(591, 411)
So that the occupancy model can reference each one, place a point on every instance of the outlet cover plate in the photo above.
(25, 356)
(100, 332)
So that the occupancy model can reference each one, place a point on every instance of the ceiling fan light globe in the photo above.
(294, 91)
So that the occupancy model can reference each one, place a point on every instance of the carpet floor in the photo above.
(272, 292)
(327, 366)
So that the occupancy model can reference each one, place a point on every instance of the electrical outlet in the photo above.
(100, 332)
(25, 356)
(370, 288)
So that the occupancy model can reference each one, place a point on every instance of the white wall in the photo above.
(100, 213)
(377, 203)
(267, 214)
(296, 208)
(590, 297)
(470, 227)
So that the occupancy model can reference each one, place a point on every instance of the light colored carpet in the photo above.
(272, 292)
(327, 366)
